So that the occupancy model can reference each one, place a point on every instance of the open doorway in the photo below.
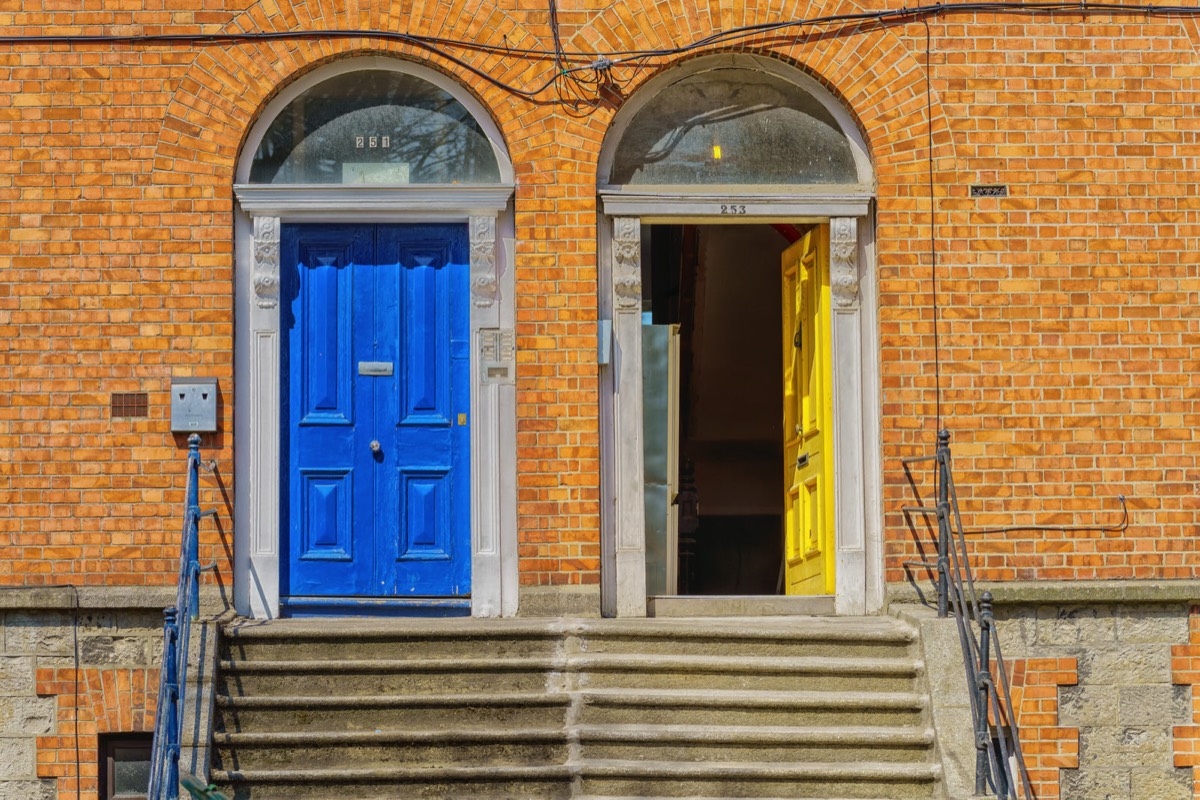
(713, 398)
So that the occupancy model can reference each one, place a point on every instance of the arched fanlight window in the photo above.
(733, 125)
(375, 127)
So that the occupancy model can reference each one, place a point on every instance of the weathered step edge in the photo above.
(723, 698)
(395, 701)
(804, 665)
(440, 774)
(832, 735)
(684, 770)
(872, 629)
(673, 734)
(755, 770)
(420, 736)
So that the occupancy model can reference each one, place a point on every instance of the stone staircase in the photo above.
(460, 708)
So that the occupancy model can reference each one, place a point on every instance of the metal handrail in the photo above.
(999, 763)
(177, 625)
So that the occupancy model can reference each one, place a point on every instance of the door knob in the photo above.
(374, 445)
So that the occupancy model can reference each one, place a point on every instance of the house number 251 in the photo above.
(732, 208)
(372, 142)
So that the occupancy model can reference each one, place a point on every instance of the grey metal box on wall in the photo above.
(193, 405)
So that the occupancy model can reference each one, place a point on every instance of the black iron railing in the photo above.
(1000, 769)
(177, 625)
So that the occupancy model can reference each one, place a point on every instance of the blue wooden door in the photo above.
(376, 397)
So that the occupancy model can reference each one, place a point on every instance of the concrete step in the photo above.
(430, 711)
(820, 637)
(373, 677)
(715, 743)
(447, 781)
(742, 708)
(780, 708)
(755, 779)
(374, 638)
(410, 675)
(636, 671)
(412, 748)
(298, 639)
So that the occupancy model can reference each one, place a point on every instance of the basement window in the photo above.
(125, 765)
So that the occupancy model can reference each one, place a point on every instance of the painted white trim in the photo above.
(355, 203)
(629, 551)
(486, 571)
(646, 94)
(257, 367)
(737, 206)
(260, 212)
(871, 434)
(321, 74)
(848, 479)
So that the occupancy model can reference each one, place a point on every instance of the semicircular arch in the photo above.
(312, 80)
(225, 92)
(787, 128)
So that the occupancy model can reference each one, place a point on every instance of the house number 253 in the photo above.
(732, 208)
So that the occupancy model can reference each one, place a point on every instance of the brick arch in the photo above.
(225, 89)
(110, 700)
(877, 77)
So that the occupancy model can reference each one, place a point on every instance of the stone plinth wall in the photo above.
(52, 706)
(1124, 701)
(1047, 746)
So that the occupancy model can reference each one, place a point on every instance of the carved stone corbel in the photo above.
(627, 263)
(485, 288)
(843, 262)
(266, 262)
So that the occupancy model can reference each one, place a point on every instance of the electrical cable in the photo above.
(1120, 527)
(569, 66)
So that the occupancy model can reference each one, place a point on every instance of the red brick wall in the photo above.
(1068, 332)
(1046, 746)
(109, 701)
(1185, 671)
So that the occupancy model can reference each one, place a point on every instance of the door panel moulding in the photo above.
(260, 210)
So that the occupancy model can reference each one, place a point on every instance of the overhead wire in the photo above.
(575, 69)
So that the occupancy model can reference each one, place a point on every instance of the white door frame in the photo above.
(261, 210)
(858, 503)
(857, 443)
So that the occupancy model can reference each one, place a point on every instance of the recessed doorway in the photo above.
(748, 144)
(716, 377)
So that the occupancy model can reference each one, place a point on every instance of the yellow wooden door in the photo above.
(808, 415)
